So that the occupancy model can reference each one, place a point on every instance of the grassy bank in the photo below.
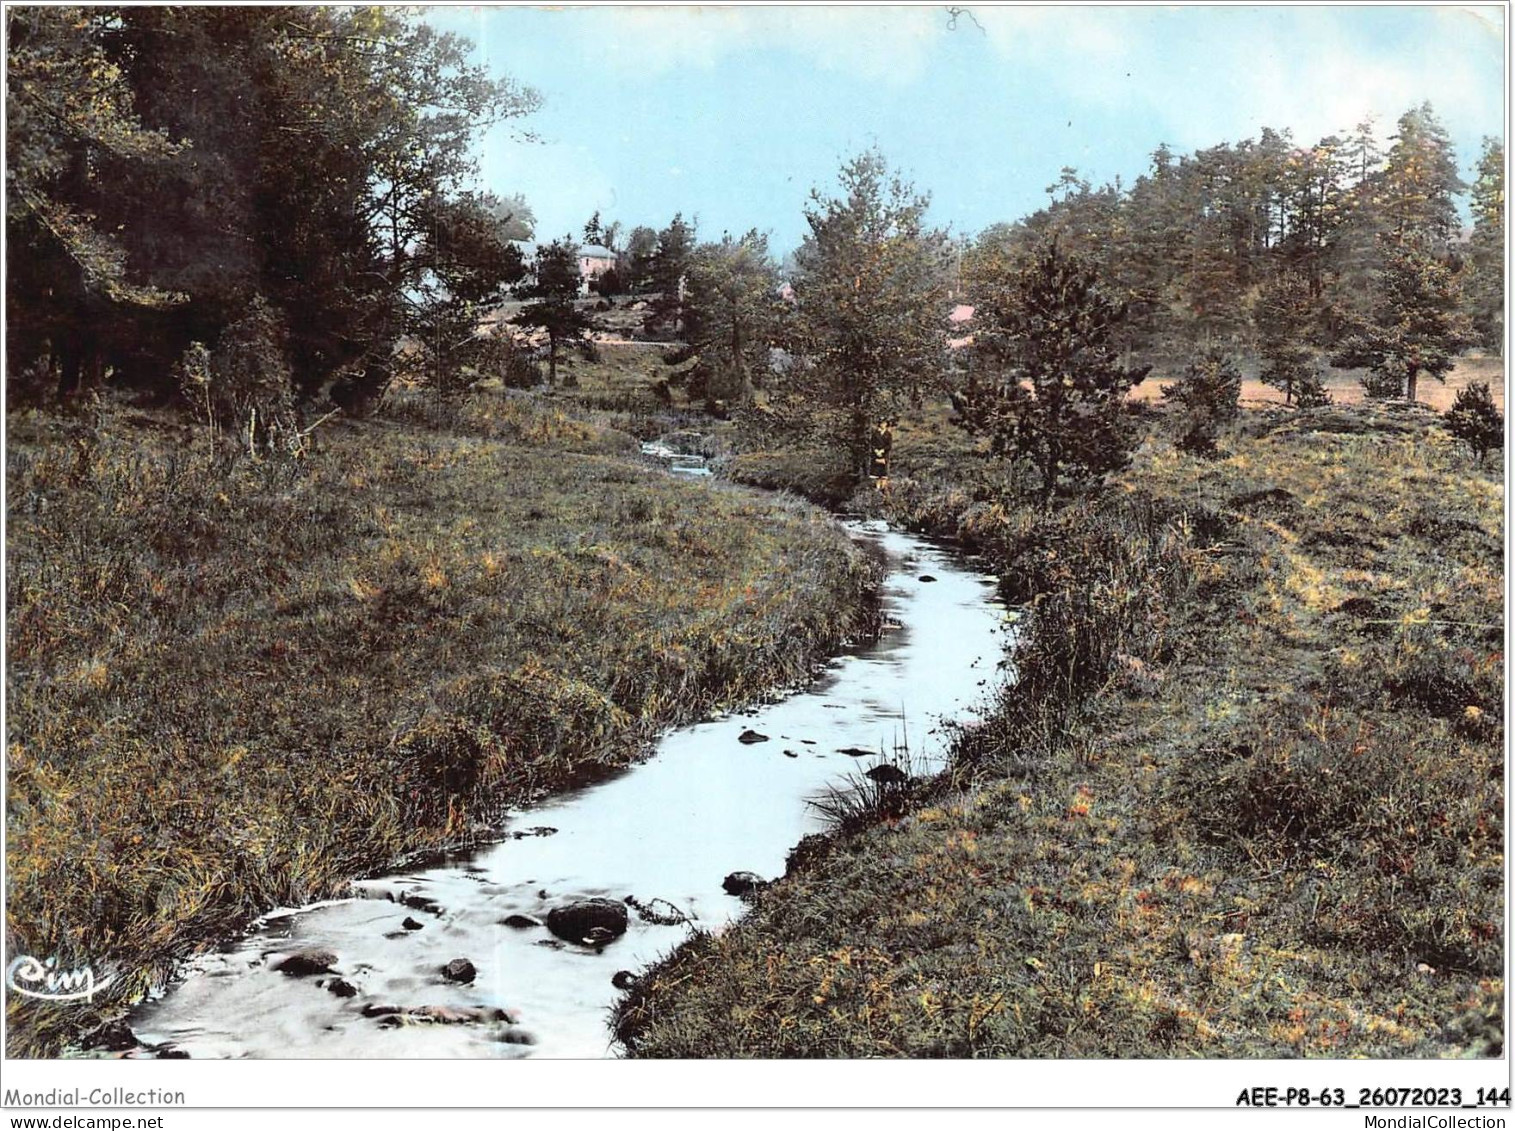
(237, 685)
(1246, 800)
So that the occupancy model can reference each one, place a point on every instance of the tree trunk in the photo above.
(1410, 386)
(552, 362)
(861, 449)
(1049, 475)
(743, 386)
(70, 367)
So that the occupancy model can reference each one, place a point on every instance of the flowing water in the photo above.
(670, 829)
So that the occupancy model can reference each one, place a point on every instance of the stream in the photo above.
(711, 800)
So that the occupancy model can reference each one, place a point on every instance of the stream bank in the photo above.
(462, 959)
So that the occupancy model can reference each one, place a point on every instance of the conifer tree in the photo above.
(1474, 420)
(1284, 318)
(1484, 290)
(668, 268)
(1209, 397)
(1417, 325)
(1048, 386)
(1419, 182)
(554, 290)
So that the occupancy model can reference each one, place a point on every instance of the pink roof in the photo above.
(960, 313)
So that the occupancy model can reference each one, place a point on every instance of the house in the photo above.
(961, 315)
(594, 261)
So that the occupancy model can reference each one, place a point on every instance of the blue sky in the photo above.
(732, 114)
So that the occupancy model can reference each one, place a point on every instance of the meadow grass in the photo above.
(1245, 799)
(235, 685)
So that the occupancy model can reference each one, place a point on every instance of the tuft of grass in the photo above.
(234, 685)
(885, 790)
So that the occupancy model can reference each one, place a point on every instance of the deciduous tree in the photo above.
(872, 295)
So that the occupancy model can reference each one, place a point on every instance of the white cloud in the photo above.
(1097, 36)
(1217, 76)
(889, 44)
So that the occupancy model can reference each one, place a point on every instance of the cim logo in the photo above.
(33, 977)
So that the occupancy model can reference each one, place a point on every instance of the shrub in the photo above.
(1474, 420)
(244, 383)
(1310, 391)
(1209, 394)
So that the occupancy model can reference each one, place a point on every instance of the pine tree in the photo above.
(1363, 153)
(1356, 245)
(669, 266)
(1474, 420)
(1484, 290)
(1208, 394)
(1417, 325)
(1283, 319)
(1419, 182)
(1048, 335)
(636, 261)
(554, 291)
(1315, 183)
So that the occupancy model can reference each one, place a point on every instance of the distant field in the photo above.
(1345, 387)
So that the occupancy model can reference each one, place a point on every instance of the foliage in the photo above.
(1417, 325)
(609, 283)
(243, 384)
(1208, 394)
(1484, 289)
(313, 151)
(604, 235)
(869, 328)
(553, 291)
(1188, 243)
(1419, 182)
(1054, 394)
(731, 312)
(666, 271)
(1474, 420)
(471, 261)
(69, 109)
(641, 247)
(1283, 318)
